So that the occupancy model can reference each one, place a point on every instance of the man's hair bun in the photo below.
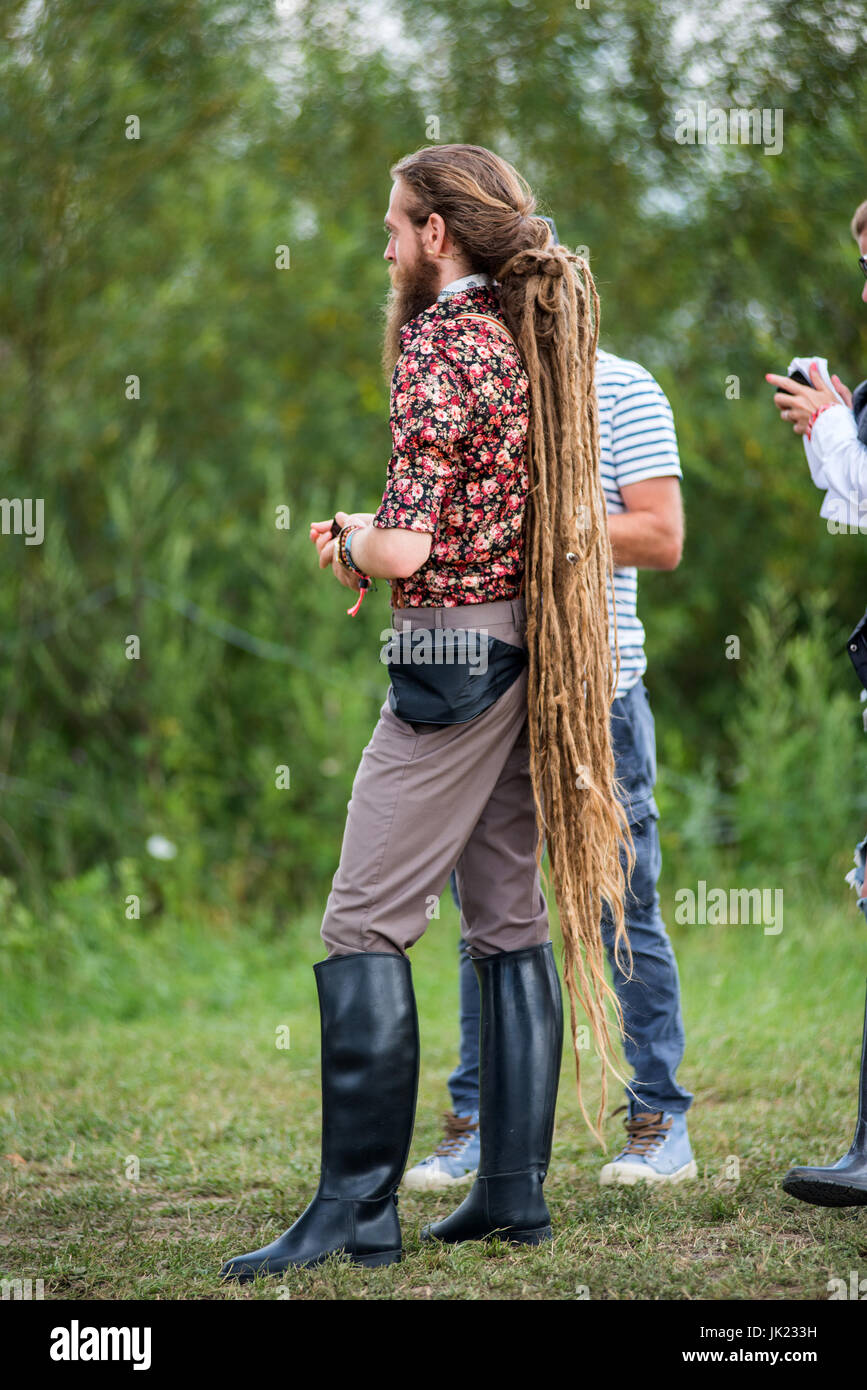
(534, 261)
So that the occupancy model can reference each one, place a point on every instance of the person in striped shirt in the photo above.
(641, 478)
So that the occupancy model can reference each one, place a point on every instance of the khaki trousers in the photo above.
(426, 799)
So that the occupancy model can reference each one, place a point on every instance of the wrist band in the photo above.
(815, 415)
(343, 548)
(348, 550)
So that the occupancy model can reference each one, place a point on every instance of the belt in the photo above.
(503, 610)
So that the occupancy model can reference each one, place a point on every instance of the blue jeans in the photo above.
(651, 998)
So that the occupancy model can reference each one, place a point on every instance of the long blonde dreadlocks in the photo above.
(549, 302)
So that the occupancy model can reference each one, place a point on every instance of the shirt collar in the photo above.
(466, 282)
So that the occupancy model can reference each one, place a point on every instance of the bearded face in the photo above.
(413, 289)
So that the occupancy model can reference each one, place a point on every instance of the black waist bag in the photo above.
(458, 673)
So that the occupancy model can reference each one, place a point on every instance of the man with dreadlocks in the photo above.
(640, 476)
(492, 532)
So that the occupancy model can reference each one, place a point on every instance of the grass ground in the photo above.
(151, 1126)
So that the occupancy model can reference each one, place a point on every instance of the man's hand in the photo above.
(796, 403)
(380, 552)
(320, 532)
(326, 544)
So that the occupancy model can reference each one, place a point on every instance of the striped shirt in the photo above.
(637, 439)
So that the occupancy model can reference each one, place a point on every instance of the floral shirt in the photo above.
(459, 416)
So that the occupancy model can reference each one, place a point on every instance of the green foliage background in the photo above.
(261, 388)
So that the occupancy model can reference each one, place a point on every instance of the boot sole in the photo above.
(826, 1194)
(384, 1257)
(375, 1261)
(537, 1237)
(534, 1237)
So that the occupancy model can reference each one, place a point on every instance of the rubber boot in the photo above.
(845, 1183)
(520, 1046)
(370, 1058)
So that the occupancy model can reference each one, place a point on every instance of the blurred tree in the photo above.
(173, 377)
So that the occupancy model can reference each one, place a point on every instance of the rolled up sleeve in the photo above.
(427, 424)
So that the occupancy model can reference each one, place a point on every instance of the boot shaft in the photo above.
(370, 1066)
(521, 1045)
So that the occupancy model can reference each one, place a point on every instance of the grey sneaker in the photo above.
(657, 1150)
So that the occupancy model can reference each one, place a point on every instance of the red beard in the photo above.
(411, 292)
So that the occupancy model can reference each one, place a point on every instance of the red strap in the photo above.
(355, 607)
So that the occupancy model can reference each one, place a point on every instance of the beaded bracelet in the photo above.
(344, 553)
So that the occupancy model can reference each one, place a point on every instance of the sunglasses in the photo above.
(862, 261)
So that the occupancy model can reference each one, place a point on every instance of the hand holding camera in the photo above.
(807, 390)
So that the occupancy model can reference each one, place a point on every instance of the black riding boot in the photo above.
(370, 1058)
(521, 1044)
(845, 1183)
